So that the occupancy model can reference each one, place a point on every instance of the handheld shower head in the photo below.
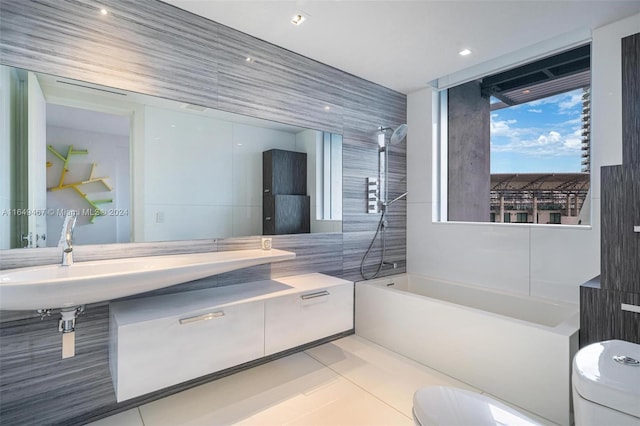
(399, 134)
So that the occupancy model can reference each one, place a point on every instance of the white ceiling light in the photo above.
(464, 52)
(298, 19)
(104, 11)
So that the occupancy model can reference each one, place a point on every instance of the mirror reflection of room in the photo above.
(141, 168)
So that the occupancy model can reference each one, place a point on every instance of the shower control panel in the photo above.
(373, 195)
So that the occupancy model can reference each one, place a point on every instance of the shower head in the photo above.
(399, 134)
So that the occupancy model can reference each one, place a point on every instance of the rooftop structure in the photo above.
(538, 197)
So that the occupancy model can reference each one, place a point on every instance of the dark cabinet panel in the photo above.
(620, 259)
(286, 214)
(631, 99)
(285, 204)
(284, 172)
(602, 317)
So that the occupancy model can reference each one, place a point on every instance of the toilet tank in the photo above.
(606, 383)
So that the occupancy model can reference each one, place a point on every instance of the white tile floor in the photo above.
(350, 381)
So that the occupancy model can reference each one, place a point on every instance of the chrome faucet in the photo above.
(66, 238)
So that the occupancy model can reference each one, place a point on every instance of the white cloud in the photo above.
(543, 141)
(502, 127)
(548, 144)
(574, 141)
(571, 122)
(571, 101)
(537, 111)
(566, 102)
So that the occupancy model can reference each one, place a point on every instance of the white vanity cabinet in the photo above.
(160, 341)
(321, 308)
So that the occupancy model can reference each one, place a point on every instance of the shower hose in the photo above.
(373, 240)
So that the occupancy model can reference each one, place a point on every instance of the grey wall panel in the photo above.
(39, 388)
(620, 259)
(601, 316)
(139, 46)
(631, 100)
(277, 84)
(150, 47)
(21, 257)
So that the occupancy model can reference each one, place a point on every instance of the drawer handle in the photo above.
(314, 295)
(204, 317)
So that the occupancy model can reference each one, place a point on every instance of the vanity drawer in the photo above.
(307, 316)
(152, 355)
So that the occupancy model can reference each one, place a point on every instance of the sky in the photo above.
(542, 136)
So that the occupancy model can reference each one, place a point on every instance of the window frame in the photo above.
(440, 143)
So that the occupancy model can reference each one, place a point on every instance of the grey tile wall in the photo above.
(601, 316)
(620, 206)
(154, 48)
(630, 97)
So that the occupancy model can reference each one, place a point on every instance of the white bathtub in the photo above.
(516, 348)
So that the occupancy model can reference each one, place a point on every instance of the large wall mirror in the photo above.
(139, 168)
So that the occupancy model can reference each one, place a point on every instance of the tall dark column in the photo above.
(469, 154)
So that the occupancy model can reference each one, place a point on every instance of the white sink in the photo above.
(56, 286)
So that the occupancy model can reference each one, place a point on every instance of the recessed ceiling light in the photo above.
(526, 92)
(464, 52)
(298, 19)
(104, 11)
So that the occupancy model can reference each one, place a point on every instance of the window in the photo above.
(555, 218)
(329, 177)
(518, 142)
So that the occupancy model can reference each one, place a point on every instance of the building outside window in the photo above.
(529, 129)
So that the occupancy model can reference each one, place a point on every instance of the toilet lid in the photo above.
(441, 405)
(599, 378)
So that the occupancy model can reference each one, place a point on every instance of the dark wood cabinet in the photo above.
(631, 100)
(609, 304)
(620, 244)
(284, 172)
(602, 317)
(285, 214)
(285, 205)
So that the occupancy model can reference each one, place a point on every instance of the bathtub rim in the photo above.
(567, 327)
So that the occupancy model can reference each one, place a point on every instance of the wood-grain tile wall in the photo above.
(631, 100)
(601, 314)
(154, 48)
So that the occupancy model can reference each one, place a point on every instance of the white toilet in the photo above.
(442, 405)
(606, 384)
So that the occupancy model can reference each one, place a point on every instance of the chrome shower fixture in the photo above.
(397, 136)
(377, 194)
(381, 198)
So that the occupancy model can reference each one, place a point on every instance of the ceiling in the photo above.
(405, 44)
